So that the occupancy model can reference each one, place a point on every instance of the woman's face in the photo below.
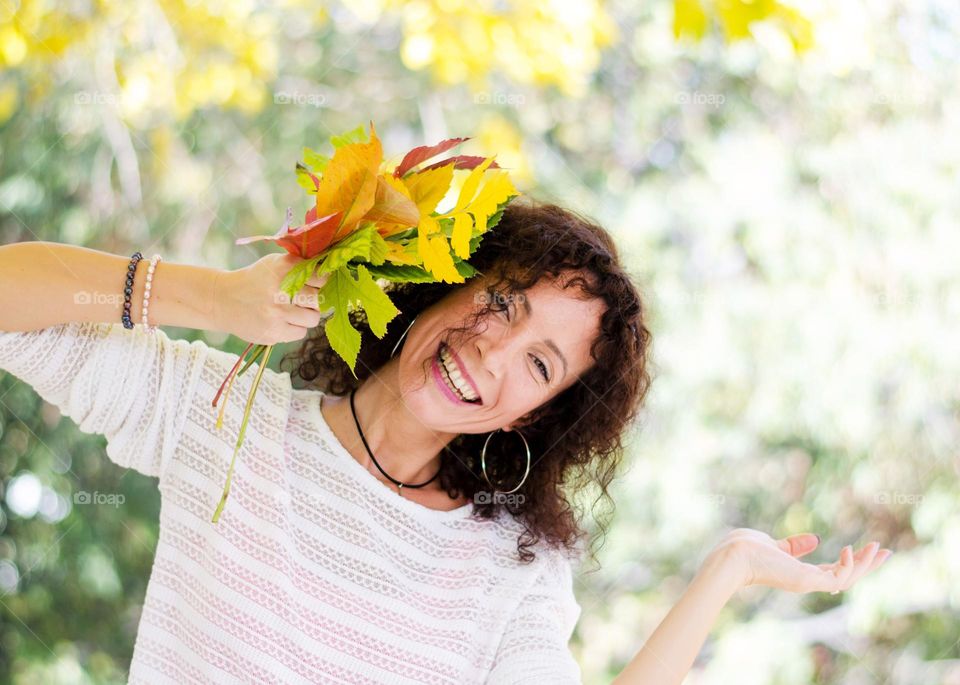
(514, 360)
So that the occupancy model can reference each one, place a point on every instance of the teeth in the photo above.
(454, 377)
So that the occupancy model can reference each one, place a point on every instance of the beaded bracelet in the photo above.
(146, 292)
(128, 289)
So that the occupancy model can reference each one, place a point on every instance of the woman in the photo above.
(410, 525)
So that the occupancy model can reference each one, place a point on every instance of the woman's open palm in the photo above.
(776, 563)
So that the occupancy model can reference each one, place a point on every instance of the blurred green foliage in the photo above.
(782, 178)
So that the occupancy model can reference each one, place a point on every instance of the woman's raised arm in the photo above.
(744, 557)
(44, 284)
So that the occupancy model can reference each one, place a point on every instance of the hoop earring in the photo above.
(400, 339)
(483, 462)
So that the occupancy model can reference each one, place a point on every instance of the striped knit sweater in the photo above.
(317, 572)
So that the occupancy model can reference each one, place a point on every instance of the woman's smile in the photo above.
(452, 379)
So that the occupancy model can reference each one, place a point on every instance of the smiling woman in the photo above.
(553, 340)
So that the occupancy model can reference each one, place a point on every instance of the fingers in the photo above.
(863, 561)
(842, 575)
(303, 317)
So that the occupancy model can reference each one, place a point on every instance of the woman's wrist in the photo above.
(183, 295)
(725, 567)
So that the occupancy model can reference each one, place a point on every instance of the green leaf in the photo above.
(357, 244)
(465, 269)
(314, 160)
(379, 308)
(475, 242)
(401, 273)
(357, 135)
(378, 248)
(341, 289)
(343, 337)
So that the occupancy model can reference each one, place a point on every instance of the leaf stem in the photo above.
(243, 430)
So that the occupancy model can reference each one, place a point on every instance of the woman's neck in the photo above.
(404, 447)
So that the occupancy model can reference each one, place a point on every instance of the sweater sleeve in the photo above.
(534, 645)
(129, 385)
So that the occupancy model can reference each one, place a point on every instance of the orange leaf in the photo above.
(349, 183)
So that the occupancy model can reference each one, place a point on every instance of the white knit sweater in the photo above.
(317, 572)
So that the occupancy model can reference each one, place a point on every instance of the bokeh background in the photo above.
(783, 180)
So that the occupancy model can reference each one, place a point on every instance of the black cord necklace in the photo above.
(393, 480)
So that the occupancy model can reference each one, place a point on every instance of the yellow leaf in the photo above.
(462, 230)
(427, 226)
(435, 252)
(470, 185)
(427, 188)
(493, 193)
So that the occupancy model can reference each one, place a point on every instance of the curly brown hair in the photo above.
(576, 437)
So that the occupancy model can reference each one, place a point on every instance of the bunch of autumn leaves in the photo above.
(371, 223)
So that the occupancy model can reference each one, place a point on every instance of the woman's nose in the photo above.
(493, 352)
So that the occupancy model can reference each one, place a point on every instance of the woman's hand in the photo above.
(250, 305)
(758, 559)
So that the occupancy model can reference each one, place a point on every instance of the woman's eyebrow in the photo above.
(528, 308)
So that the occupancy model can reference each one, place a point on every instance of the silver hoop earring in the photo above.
(483, 462)
(400, 339)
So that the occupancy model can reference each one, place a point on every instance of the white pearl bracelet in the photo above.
(146, 292)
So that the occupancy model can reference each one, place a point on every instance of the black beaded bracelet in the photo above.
(128, 289)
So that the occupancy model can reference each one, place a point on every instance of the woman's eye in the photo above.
(543, 368)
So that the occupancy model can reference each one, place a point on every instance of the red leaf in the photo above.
(461, 162)
(423, 153)
(304, 241)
